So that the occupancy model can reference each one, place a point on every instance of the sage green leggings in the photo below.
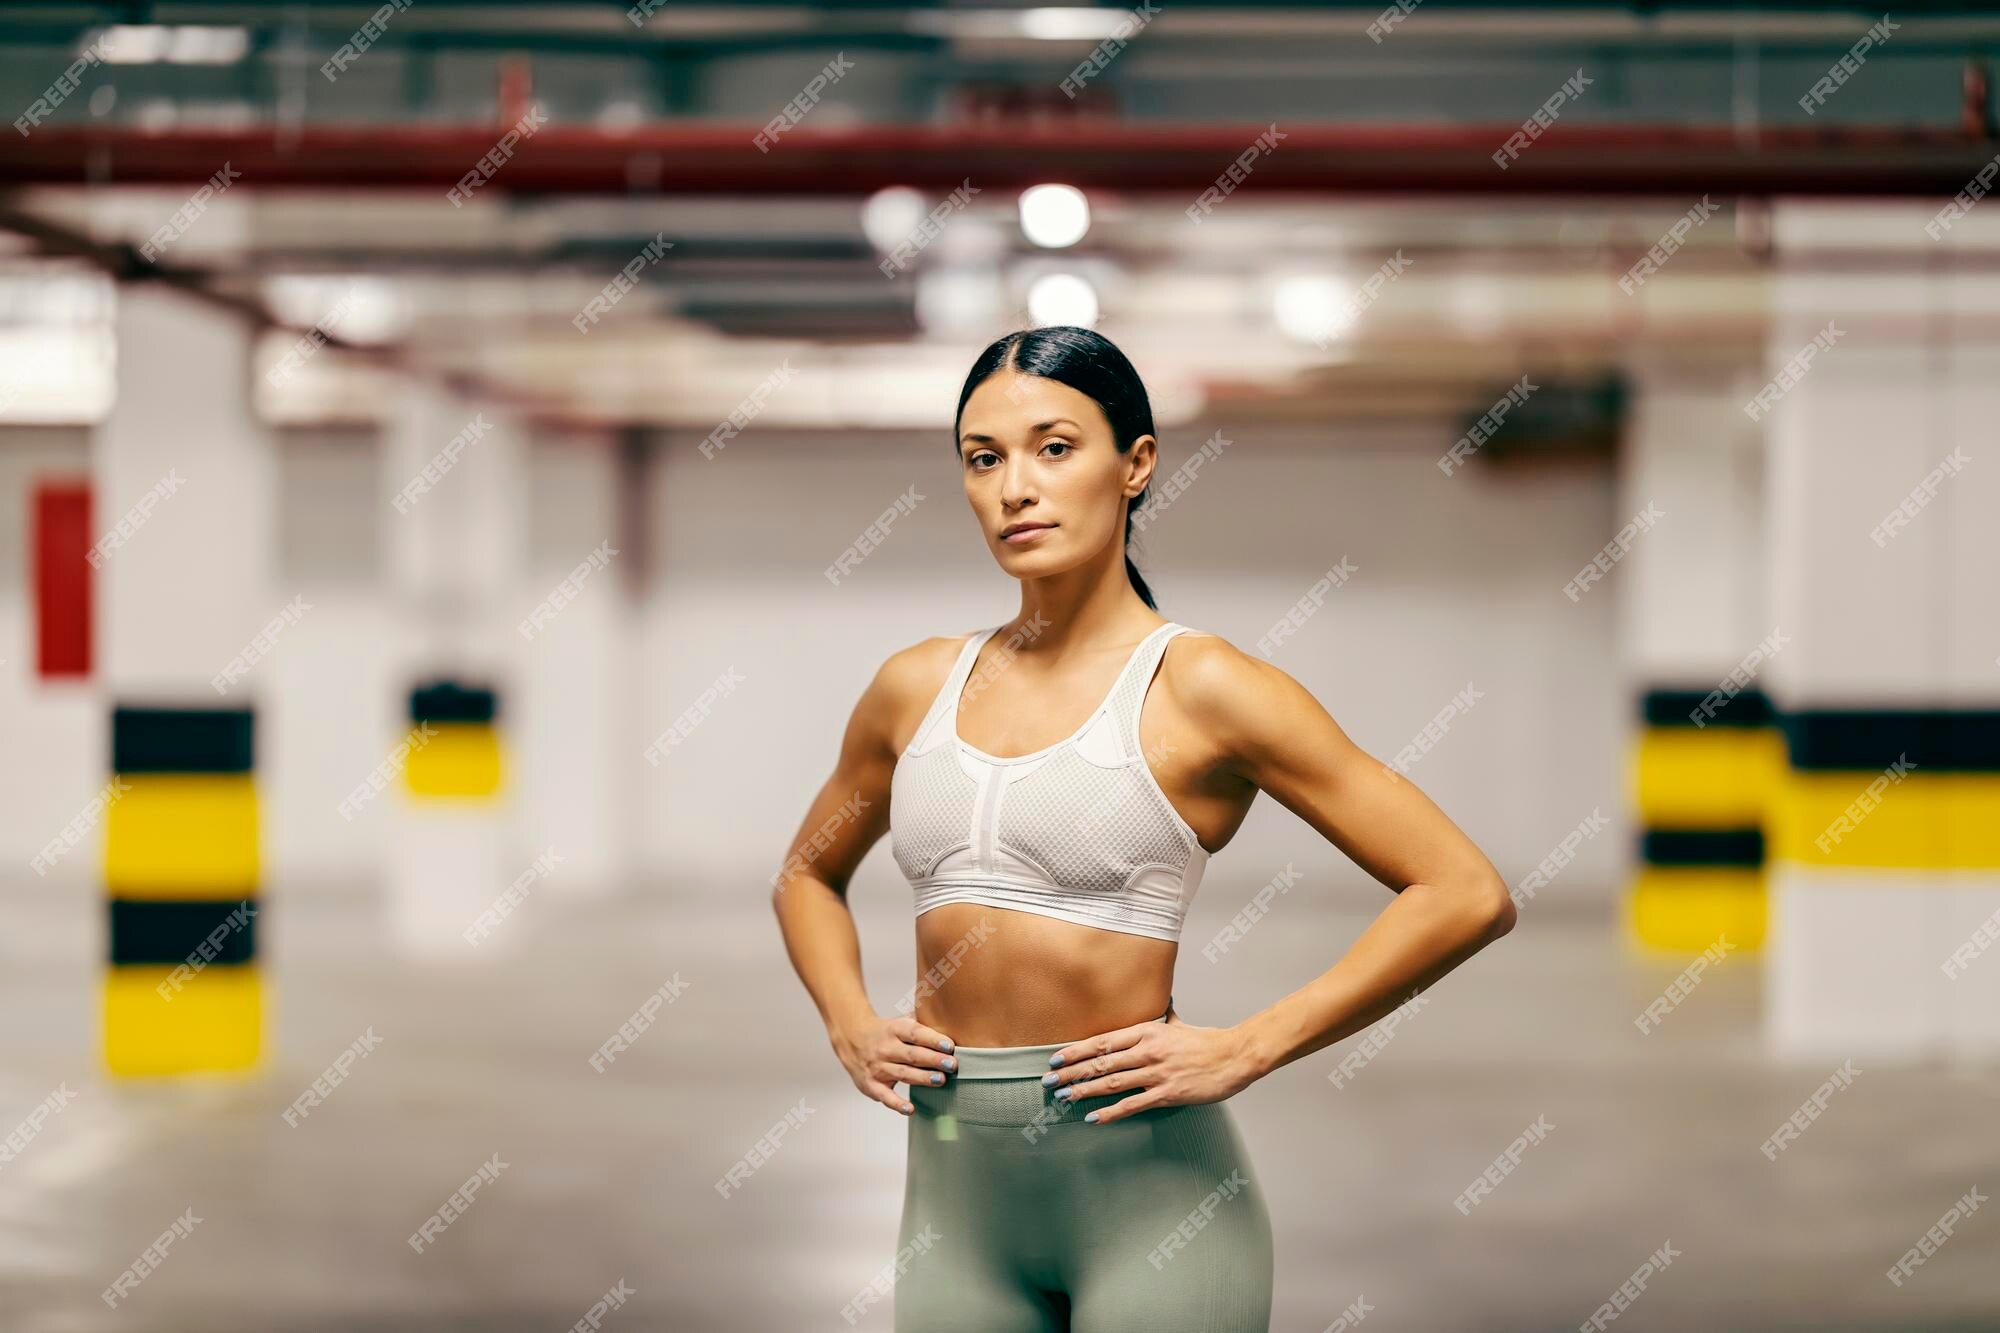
(1020, 1217)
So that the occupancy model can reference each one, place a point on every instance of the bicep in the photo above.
(1281, 739)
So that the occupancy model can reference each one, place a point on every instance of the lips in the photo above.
(1026, 532)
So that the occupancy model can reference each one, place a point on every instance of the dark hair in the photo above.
(1091, 364)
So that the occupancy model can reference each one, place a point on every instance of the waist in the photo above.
(1002, 1086)
(982, 1062)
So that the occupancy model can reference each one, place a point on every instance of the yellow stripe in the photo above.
(182, 835)
(461, 760)
(1704, 777)
(1933, 821)
(1683, 910)
(213, 1022)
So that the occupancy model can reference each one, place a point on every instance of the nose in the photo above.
(1017, 482)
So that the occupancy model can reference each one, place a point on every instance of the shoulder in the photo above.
(1226, 689)
(926, 661)
(1202, 667)
(909, 678)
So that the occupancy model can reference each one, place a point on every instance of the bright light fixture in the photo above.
(1062, 298)
(1313, 307)
(177, 44)
(1053, 216)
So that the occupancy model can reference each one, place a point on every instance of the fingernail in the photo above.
(1056, 1059)
(936, 1079)
(1092, 1117)
(1048, 1079)
(950, 1063)
(944, 1043)
(1062, 1093)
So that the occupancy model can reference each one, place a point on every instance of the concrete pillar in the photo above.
(1697, 632)
(1884, 484)
(456, 532)
(183, 476)
(578, 732)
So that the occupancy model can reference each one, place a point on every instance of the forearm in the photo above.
(825, 948)
(1423, 934)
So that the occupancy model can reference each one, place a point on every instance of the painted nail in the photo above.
(1092, 1117)
(1056, 1059)
(936, 1079)
(944, 1043)
(950, 1063)
(1063, 1093)
(1049, 1079)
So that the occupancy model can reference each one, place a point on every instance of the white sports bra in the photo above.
(1078, 830)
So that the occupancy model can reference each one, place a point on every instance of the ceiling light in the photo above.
(1062, 298)
(1053, 216)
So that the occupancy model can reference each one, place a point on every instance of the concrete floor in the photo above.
(610, 1176)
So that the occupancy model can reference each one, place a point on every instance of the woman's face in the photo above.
(1037, 452)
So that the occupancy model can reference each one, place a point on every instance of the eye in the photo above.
(1059, 444)
(983, 453)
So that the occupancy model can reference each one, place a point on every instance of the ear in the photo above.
(1152, 466)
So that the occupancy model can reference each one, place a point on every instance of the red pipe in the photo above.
(1180, 160)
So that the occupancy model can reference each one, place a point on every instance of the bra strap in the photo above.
(945, 704)
(1130, 696)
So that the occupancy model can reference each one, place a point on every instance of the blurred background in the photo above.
(461, 463)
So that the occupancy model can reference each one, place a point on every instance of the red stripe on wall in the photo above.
(62, 578)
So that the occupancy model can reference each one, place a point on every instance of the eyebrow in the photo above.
(1035, 429)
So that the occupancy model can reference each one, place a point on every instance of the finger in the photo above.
(1103, 1044)
(1095, 1067)
(1121, 1080)
(1118, 1110)
(887, 1096)
(919, 1034)
(922, 1057)
(895, 1073)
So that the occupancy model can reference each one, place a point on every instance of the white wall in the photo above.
(54, 737)
(1459, 581)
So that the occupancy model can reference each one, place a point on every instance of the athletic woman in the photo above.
(1054, 787)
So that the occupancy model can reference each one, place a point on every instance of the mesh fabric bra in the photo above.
(1078, 830)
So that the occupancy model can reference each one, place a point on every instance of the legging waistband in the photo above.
(1016, 1061)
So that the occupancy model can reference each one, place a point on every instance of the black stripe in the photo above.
(1870, 740)
(450, 701)
(148, 930)
(1749, 707)
(181, 740)
(1702, 847)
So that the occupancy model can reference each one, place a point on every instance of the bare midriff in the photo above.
(991, 976)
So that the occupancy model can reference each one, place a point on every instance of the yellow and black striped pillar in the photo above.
(1695, 636)
(1902, 802)
(447, 860)
(455, 745)
(183, 468)
(181, 869)
(1885, 556)
(1700, 782)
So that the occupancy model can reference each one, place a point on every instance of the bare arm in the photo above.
(1450, 901)
(809, 895)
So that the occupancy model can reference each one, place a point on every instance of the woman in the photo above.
(1056, 786)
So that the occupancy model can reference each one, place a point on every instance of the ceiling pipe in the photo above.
(1569, 160)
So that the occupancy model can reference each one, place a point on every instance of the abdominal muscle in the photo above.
(1023, 979)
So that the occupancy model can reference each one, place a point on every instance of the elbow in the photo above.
(1494, 909)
